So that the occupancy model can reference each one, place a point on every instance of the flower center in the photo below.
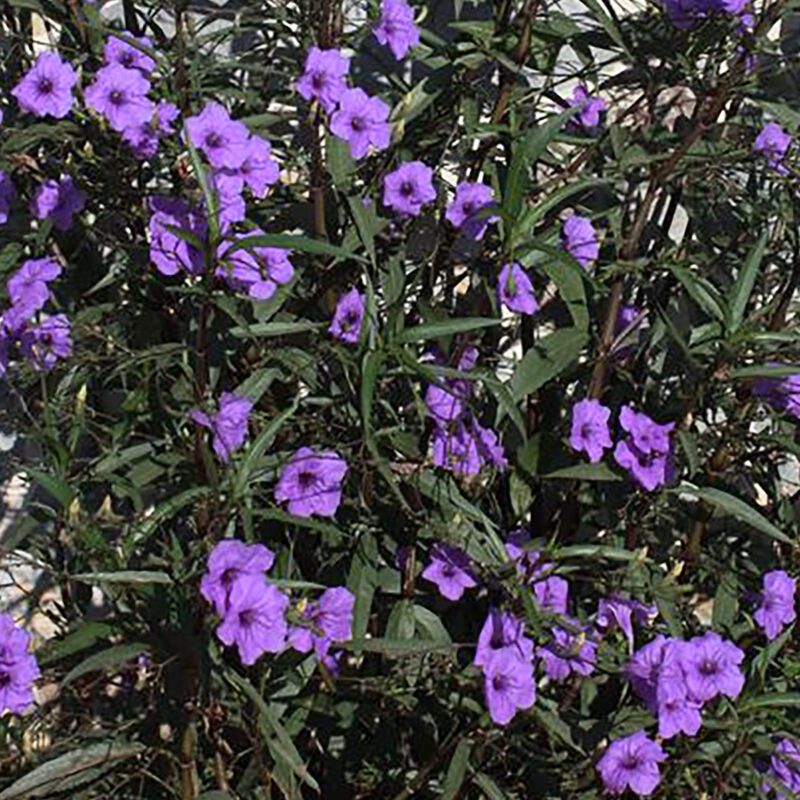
(350, 319)
(630, 761)
(47, 339)
(469, 208)
(318, 80)
(116, 97)
(358, 124)
(5, 679)
(246, 618)
(499, 683)
(586, 430)
(709, 668)
(407, 188)
(45, 86)
(448, 571)
(213, 140)
(126, 60)
(306, 479)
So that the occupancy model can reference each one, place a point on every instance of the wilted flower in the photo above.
(468, 211)
(590, 432)
(348, 317)
(119, 51)
(46, 89)
(580, 240)
(451, 570)
(224, 141)
(362, 121)
(552, 594)
(632, 763)
(229, 559)
(568, 651)
(396, 27)
(47, 342)
(515, 290)
(7, 195)
(509, 686)
(622, 613)
(229, 424)
(58, 201)
(311, 483)
(324, 77)
(324, 622)
(258, 270)
(409, 188)
(777, 606)
(255, 618)
(502, 631)
(18, 667)
(144, 139)
(120, 95)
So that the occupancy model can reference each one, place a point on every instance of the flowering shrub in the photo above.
(407, 394)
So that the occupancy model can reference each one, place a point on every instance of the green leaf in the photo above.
(124, 576)
(266, 330)
(568, 277)
(700, 290)
(609, 25)
(488, 787)
(287, 241)
(112, 657)
(547, 359)
(82, 638)
(442, 328)
(741, 290)
(362, 581)
(726, 602)
(398, 647)
(768, 701)
(70, 770)
(55, 487)
(429, 626)
(734, 507)
(457, 770)
(583, 472)
(281, 745)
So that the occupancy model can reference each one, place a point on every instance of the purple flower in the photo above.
(451, 570)
(643, 669)
(781, 393)
(311, 483)
(46, 89)
(324, 77)
(502, 631)
(468, 210)
(224, 141)
(711, 666)
(258, 171)
(515, 290)
(118, 51)
(456, 450)
(144, 139)
(552, 594)
(628, 322)
(508, 685)
(27, 288)
(120, 95)
(255, 618)
(7, 195)
(580, 240)
(632, 763)
(773, 142)
(322, 623)
(229, 424)
(169, 252)
(229, 559)
(784, 768)
(47, 342)
(646, 453)
(590, 108)
(446, 405)
(409, 188)
(396, 27)
(776, 609)
(18, 667)
(568, 652)
(231, 205)
(677, 709)
(257, 271)
(362, 121)
(590, 432)
(348, 317)
(528, 562)
(620, 612)
(490, 448)
(58, 201)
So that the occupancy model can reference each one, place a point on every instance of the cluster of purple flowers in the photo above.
(238, 159)
(460, 443)
(41, 338)
(18, 667)
(253, 611)
(645, 452)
